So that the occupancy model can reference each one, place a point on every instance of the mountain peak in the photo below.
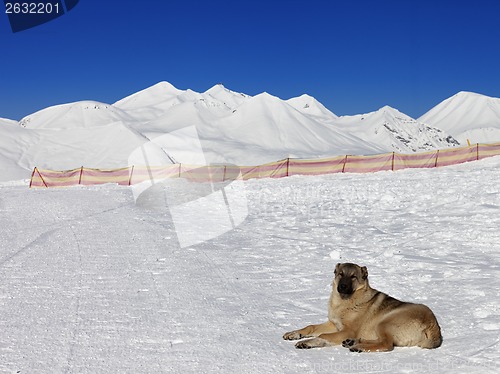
(163, 88)
(216, 88)
(390, 110)
(308, 104)
(265, 96)
(229, 98)
(468, 94)
(152, 95)
(467, 115)
(387, 108)
(219, 88)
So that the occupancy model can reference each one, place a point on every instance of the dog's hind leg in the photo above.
(384, 343)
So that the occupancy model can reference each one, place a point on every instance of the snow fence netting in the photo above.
(219, 173)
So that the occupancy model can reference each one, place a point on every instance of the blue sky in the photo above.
(354, 56)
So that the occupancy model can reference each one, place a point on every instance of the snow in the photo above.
(392, 129)
(281, 131)
(151, 101)
(179, 277)
(309, 105)
(13, 139)
(81, 114)
(232, 127)
(467, 115)
(229, 98)
(7, 122)
(93, 281)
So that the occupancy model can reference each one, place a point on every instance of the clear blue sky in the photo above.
(354, 56)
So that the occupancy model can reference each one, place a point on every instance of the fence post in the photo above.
(477, 151)
(345, 162)
(437, 155)
(40, 175)
(130, 177)
(393, 154)
(288, 166)
(32, 175)
(80, 179)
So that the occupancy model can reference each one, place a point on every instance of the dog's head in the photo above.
(349, 278)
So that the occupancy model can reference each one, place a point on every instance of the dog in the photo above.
(363, 319)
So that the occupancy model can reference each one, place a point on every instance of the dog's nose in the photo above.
(343, 288)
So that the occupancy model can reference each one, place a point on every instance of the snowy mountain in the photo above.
(5, 121)
(310, 106)
(395, 131)
(230, 127)
(237, 128)
(229, 98)
(467, 115)
(13, 141)
(272, 130)
(89, 133)
(81, 114)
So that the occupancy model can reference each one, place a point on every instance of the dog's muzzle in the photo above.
(345, 288)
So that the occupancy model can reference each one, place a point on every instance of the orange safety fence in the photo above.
(219, 173)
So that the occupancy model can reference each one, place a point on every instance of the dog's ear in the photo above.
(364, 272)
(337, 269)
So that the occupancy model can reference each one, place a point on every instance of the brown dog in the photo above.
(366, 320)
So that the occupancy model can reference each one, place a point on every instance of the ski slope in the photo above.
(93, 282)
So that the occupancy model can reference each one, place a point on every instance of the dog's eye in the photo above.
(341, 274)
(353, 277)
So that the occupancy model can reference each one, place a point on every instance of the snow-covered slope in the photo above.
(276, 130)
(13, 141)
(106, 146)
(81, 114)
(467, 115)
(246, 130)
(5, 121)
(151, 102)
(229, 98)
(393, 130)
(237, 128)
(92, 283)
(61, 137)
(310, 106)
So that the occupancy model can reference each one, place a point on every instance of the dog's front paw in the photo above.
(351, 344)
(348, 343)
(293, 335)
(311, 343)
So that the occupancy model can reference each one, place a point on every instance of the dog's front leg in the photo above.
(325, 340)
(310, 331)
(381, 345)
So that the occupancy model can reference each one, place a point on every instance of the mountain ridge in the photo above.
(467, 115)
(232, 127)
